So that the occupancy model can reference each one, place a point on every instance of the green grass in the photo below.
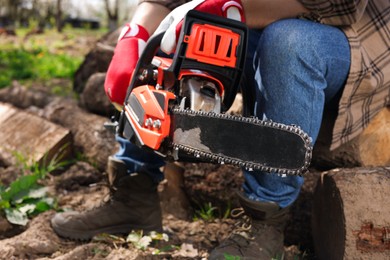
(43, 56)
(36, 64)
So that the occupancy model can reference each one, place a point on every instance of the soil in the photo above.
(82, 186)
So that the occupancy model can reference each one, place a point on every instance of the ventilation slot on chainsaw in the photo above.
(220, 42)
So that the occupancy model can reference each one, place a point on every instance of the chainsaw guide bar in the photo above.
(272, 147)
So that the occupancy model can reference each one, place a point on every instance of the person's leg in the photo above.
(139, 160)
(298, 65)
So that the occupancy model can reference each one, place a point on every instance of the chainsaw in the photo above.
(176, 106)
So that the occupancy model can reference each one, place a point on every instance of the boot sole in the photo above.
(88, 235)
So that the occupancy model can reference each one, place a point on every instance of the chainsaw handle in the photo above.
(151, 48)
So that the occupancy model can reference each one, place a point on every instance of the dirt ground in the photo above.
(82, 186)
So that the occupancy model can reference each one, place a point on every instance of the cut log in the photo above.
(351, 212)
(30, 136)
(94, 99)
(90, 138)
(371, 148)
(374, 142)
(22, 97)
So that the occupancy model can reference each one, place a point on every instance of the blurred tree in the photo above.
(9, 12)
(112, 13)
(41, 12)
(59, 21)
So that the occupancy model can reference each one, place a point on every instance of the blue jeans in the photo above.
(296, 67)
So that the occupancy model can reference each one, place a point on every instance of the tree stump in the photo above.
(351, 214)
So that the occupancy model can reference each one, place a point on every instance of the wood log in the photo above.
(30, 136)
(94, 99)
(22, 97)
(298, 229)
(173, 197)
(374, 142)
(90, 137)
(351, 212)
(371, 148)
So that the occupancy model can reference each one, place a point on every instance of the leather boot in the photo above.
(133, 205)
(259, 234)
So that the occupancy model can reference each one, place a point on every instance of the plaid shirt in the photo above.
(367, 90)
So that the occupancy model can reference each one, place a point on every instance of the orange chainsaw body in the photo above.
(148, 114)
(147, 106)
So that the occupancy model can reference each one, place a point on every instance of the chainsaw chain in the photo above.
(250, 166)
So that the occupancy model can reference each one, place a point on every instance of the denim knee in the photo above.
(284, 43)
(293, 44)
(302, 65)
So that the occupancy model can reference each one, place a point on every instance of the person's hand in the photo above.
(172, 23)
(131, 43)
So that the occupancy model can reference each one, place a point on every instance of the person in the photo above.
(303, 55)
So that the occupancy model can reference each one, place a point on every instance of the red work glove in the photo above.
(172, 23)
(130, 45)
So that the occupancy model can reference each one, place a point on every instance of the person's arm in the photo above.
(149, 15)
(131, 43)
(260, 13)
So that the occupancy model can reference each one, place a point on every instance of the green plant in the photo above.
(206, 212)
(26, 197)
(15, 64)
(231, 257)
(80, 157)
(228, 210)
(279, 257)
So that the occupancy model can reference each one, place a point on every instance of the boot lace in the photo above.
(107, 196)
(243, 226)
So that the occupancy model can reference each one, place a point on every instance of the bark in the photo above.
(94, 98)
(32, 137)
(351, 214)
(90, 137)
(22, 97)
